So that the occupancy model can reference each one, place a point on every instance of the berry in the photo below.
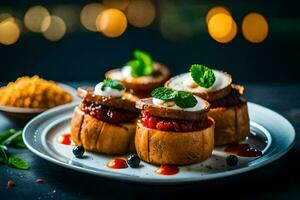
(39, 181)
(232, 160)
(10, 183)
(78, 151)
(133, 161)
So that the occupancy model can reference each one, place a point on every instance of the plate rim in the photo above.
(116, 176)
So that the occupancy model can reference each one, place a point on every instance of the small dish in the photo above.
(23, 115)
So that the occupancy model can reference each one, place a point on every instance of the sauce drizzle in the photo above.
(65, 139)
(243, 149)
(167, 170)
(117, 163)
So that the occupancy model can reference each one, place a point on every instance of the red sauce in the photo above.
(65, 139)
(167, 170)
(117, 163)
(165, 124)
(244, 150)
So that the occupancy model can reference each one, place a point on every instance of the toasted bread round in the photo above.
(210, 94)
(174, 148)
(232, 124)
(102, 137)
(159, 111)
(126, 102)
(161, 74)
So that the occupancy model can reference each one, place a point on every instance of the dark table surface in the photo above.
(278, 180)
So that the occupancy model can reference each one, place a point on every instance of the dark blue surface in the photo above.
(278, 180)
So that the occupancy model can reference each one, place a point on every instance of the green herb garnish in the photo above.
(185, 99)
(202, 75)
(141, 65)
(18, 162)
(12, 138)
(112, 84)
(181, 98)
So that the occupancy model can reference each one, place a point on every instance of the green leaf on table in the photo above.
(7, 134)
(185, 99)
(3, 155)
(163, 93)
(16, 138)
(18, 162)
(202, 75)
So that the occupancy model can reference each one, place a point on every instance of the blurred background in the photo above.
(74, 40)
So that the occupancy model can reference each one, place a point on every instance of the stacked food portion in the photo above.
(174, 128)
(141, 74)
(105, 120)
(179, 125)
(228, 108)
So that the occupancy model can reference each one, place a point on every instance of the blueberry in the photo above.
(78, 151)
(232, 160)
(133, 161)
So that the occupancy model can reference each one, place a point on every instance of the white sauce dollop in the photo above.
(186, 83)
(201, 104)
(108, 91)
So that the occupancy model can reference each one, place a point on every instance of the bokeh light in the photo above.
(111, 22)
(34, 17)
(119, 4)
(70, 15)
(221, 26)
(89, 15)
(140, 13)
(5, 16)
(255, 27)
(215, 10)
(9, 32)
(54, 28)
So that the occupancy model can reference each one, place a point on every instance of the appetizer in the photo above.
(105, 120)
(33, 92)
(227, 107)
(174, 129)
(141, 74)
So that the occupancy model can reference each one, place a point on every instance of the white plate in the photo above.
(270, 132)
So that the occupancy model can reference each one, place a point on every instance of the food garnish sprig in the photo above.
(12, 138)
(202, 75)
(180, 98)
(141, 65)
(108, 82)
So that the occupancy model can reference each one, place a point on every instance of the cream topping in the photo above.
(186, 83)
(201, 104)
(108, 91)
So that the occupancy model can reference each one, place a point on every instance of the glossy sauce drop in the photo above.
(65, 139)
(244, 150)
(117, 163)
(167, 170)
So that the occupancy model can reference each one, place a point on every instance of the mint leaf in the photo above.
(15, 137)
(185, 99)
(3, 155)
(136, 68)
(18, 162)
(142, 65)
(163, 93)
(7, 134)
(18, 141)
(112, 84)
(202, 75)
(181, 98)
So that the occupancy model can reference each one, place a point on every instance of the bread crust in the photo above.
(232, 124)
(158, 111)
(174, 148)
(101, 137)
